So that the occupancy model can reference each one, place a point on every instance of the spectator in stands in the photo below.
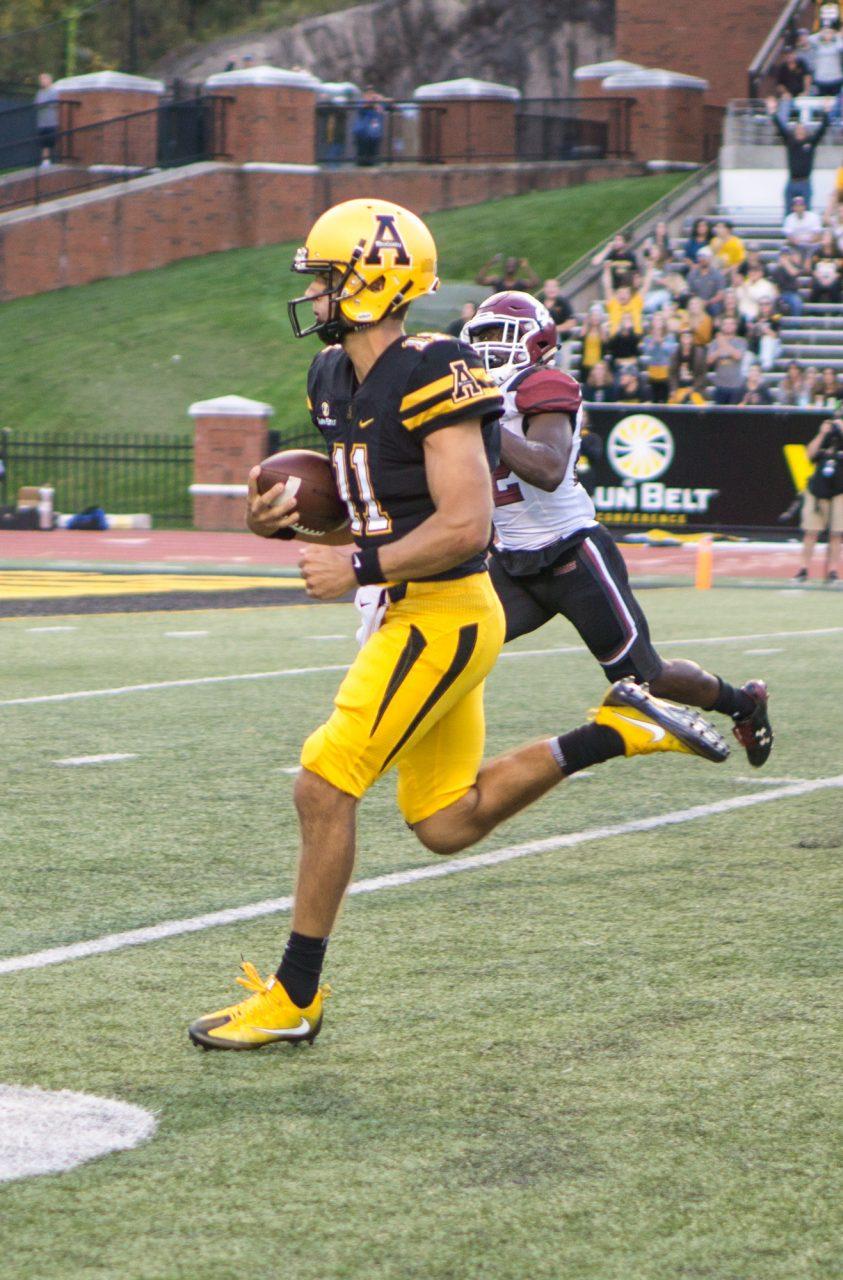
(793, 76)
(728, 249)
(803, 230)
(516, 274)
(725, 358)
(791, 388)
(753, 259)
(707, 282)
(368, 125)
(563, 317)
(755, 391)
(599, 386)
(826, 62)
(593, 337)
(812, 379)
(625, 299)
(620, 257)
(656, 249)
(46, 116)
(753, 290)
(700, 235)
(467, 310)
(826, 266)
(732, 310)
(785, 276)
(700, 322)
(687, 371)
(763, 334)
(629, 388)
(801, 147)
(657, 349)
(827, 393)
(625, 343)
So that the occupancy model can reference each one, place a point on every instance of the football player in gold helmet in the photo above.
(411, 426)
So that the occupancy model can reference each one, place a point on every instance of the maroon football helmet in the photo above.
(510, 331)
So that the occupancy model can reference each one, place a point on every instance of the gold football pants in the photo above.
(413, 698)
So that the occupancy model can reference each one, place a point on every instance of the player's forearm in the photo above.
(538, 464)
(440, 543)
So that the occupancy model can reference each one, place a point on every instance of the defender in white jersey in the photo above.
(550, 554)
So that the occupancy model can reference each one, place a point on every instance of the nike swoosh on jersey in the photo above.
(656, 731)
(367, 422)
(286, 1032)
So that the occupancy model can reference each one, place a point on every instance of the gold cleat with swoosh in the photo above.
(647, 724)
(267, 1016)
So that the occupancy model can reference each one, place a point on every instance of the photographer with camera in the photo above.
(822, 505)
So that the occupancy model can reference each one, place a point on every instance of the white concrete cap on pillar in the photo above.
(263, 77)
(230, 407)
(466, 87)
(599, 70)
(654, 78)
(118, 81)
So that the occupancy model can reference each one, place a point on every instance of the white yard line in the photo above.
(343, 666)
(397, 879)
(758, 652)
(104, 759)
(183, 635)
(51, 628)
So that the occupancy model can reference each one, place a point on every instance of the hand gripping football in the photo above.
(309, 476)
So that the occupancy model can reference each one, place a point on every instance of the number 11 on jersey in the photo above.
(365, 513)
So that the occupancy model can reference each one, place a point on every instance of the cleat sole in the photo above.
(691, 728)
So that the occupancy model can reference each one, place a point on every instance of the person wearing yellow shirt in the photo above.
(625, 301)
(727, 248)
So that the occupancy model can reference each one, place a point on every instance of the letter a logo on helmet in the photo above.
(387, 236)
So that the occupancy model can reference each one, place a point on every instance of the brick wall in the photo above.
(206, 208)
(716, 41)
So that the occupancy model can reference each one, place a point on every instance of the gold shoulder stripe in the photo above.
(434, 388)
(475, 407)
(309, 404)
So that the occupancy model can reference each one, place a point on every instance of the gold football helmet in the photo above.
(376, 257)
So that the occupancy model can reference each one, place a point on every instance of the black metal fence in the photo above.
(178, 131)
(152, 475)
(546, 129)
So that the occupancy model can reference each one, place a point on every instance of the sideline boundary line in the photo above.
(397, 879)
(343, 666)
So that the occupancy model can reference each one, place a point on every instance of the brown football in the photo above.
(320, 507)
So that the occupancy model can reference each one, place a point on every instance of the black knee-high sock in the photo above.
(301, 967)
(590, 744)
(732, 702)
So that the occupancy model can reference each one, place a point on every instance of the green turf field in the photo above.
(614, 1061)
(130, 355)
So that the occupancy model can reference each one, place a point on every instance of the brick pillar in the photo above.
(92, 101)
(589, 85)
(476, 121)
(667, 118)
(229, 438)
(272, 115)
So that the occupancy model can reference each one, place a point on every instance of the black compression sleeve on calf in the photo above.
(367, 567)
(590, 744)
(732, 702)
(300, 970)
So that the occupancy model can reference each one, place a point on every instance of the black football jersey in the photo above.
(376, 430)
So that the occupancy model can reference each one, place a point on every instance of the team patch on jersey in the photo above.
(467, 385)
(458, 390)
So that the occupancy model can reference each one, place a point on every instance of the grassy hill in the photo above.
(130, 355)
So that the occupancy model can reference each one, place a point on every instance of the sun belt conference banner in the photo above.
(705, 468)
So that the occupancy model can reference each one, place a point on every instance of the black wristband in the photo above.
(286, 534)
(367, 567)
